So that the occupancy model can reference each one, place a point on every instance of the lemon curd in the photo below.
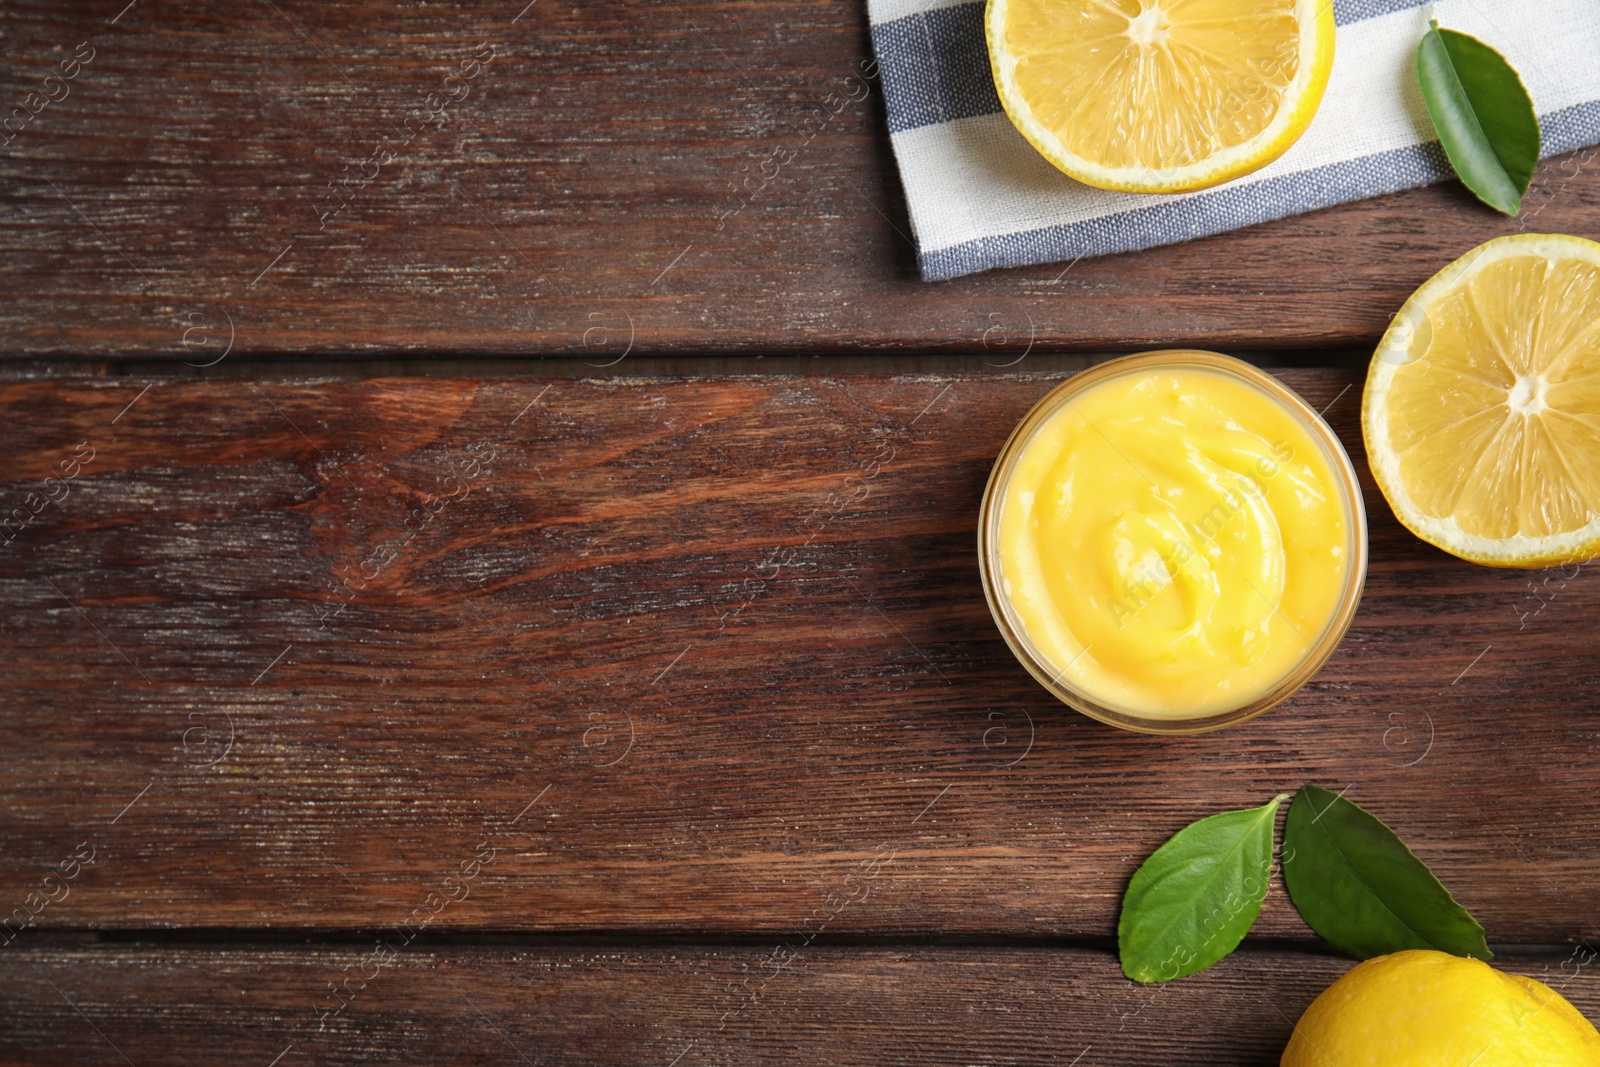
(1173, 541)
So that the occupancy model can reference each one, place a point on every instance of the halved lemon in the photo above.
(1482, 408)
(1160, 96)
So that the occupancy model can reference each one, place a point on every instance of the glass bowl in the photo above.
(1053, 675)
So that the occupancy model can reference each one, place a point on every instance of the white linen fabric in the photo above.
(981, 197)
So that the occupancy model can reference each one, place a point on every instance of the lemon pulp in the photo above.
(1482, 412)
(1160, 95)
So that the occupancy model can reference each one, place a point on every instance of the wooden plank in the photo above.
(577, 199)
(685, 1005)
(673, 655)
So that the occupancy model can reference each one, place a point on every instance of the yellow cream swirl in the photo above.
(1173, 541)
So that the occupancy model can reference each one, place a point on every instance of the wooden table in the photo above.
(478, 712)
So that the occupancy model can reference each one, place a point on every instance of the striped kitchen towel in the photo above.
(982, 197)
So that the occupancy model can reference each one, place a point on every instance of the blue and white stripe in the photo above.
(981, 197)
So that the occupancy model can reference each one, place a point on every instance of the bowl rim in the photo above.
(1321, 649)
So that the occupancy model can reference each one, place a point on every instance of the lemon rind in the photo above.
(1317, 33)
(1393, 351)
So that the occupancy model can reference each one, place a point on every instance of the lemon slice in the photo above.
(1482, 408)
(1160, 96)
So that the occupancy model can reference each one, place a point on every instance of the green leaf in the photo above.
(1194, 899)
(1482, 113)
(1362, 889)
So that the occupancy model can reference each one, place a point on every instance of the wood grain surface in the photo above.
(265, 178)
(689, 655)
(640, 720)
(684, 1005)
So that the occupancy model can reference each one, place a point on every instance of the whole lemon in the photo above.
(1422, 1008)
